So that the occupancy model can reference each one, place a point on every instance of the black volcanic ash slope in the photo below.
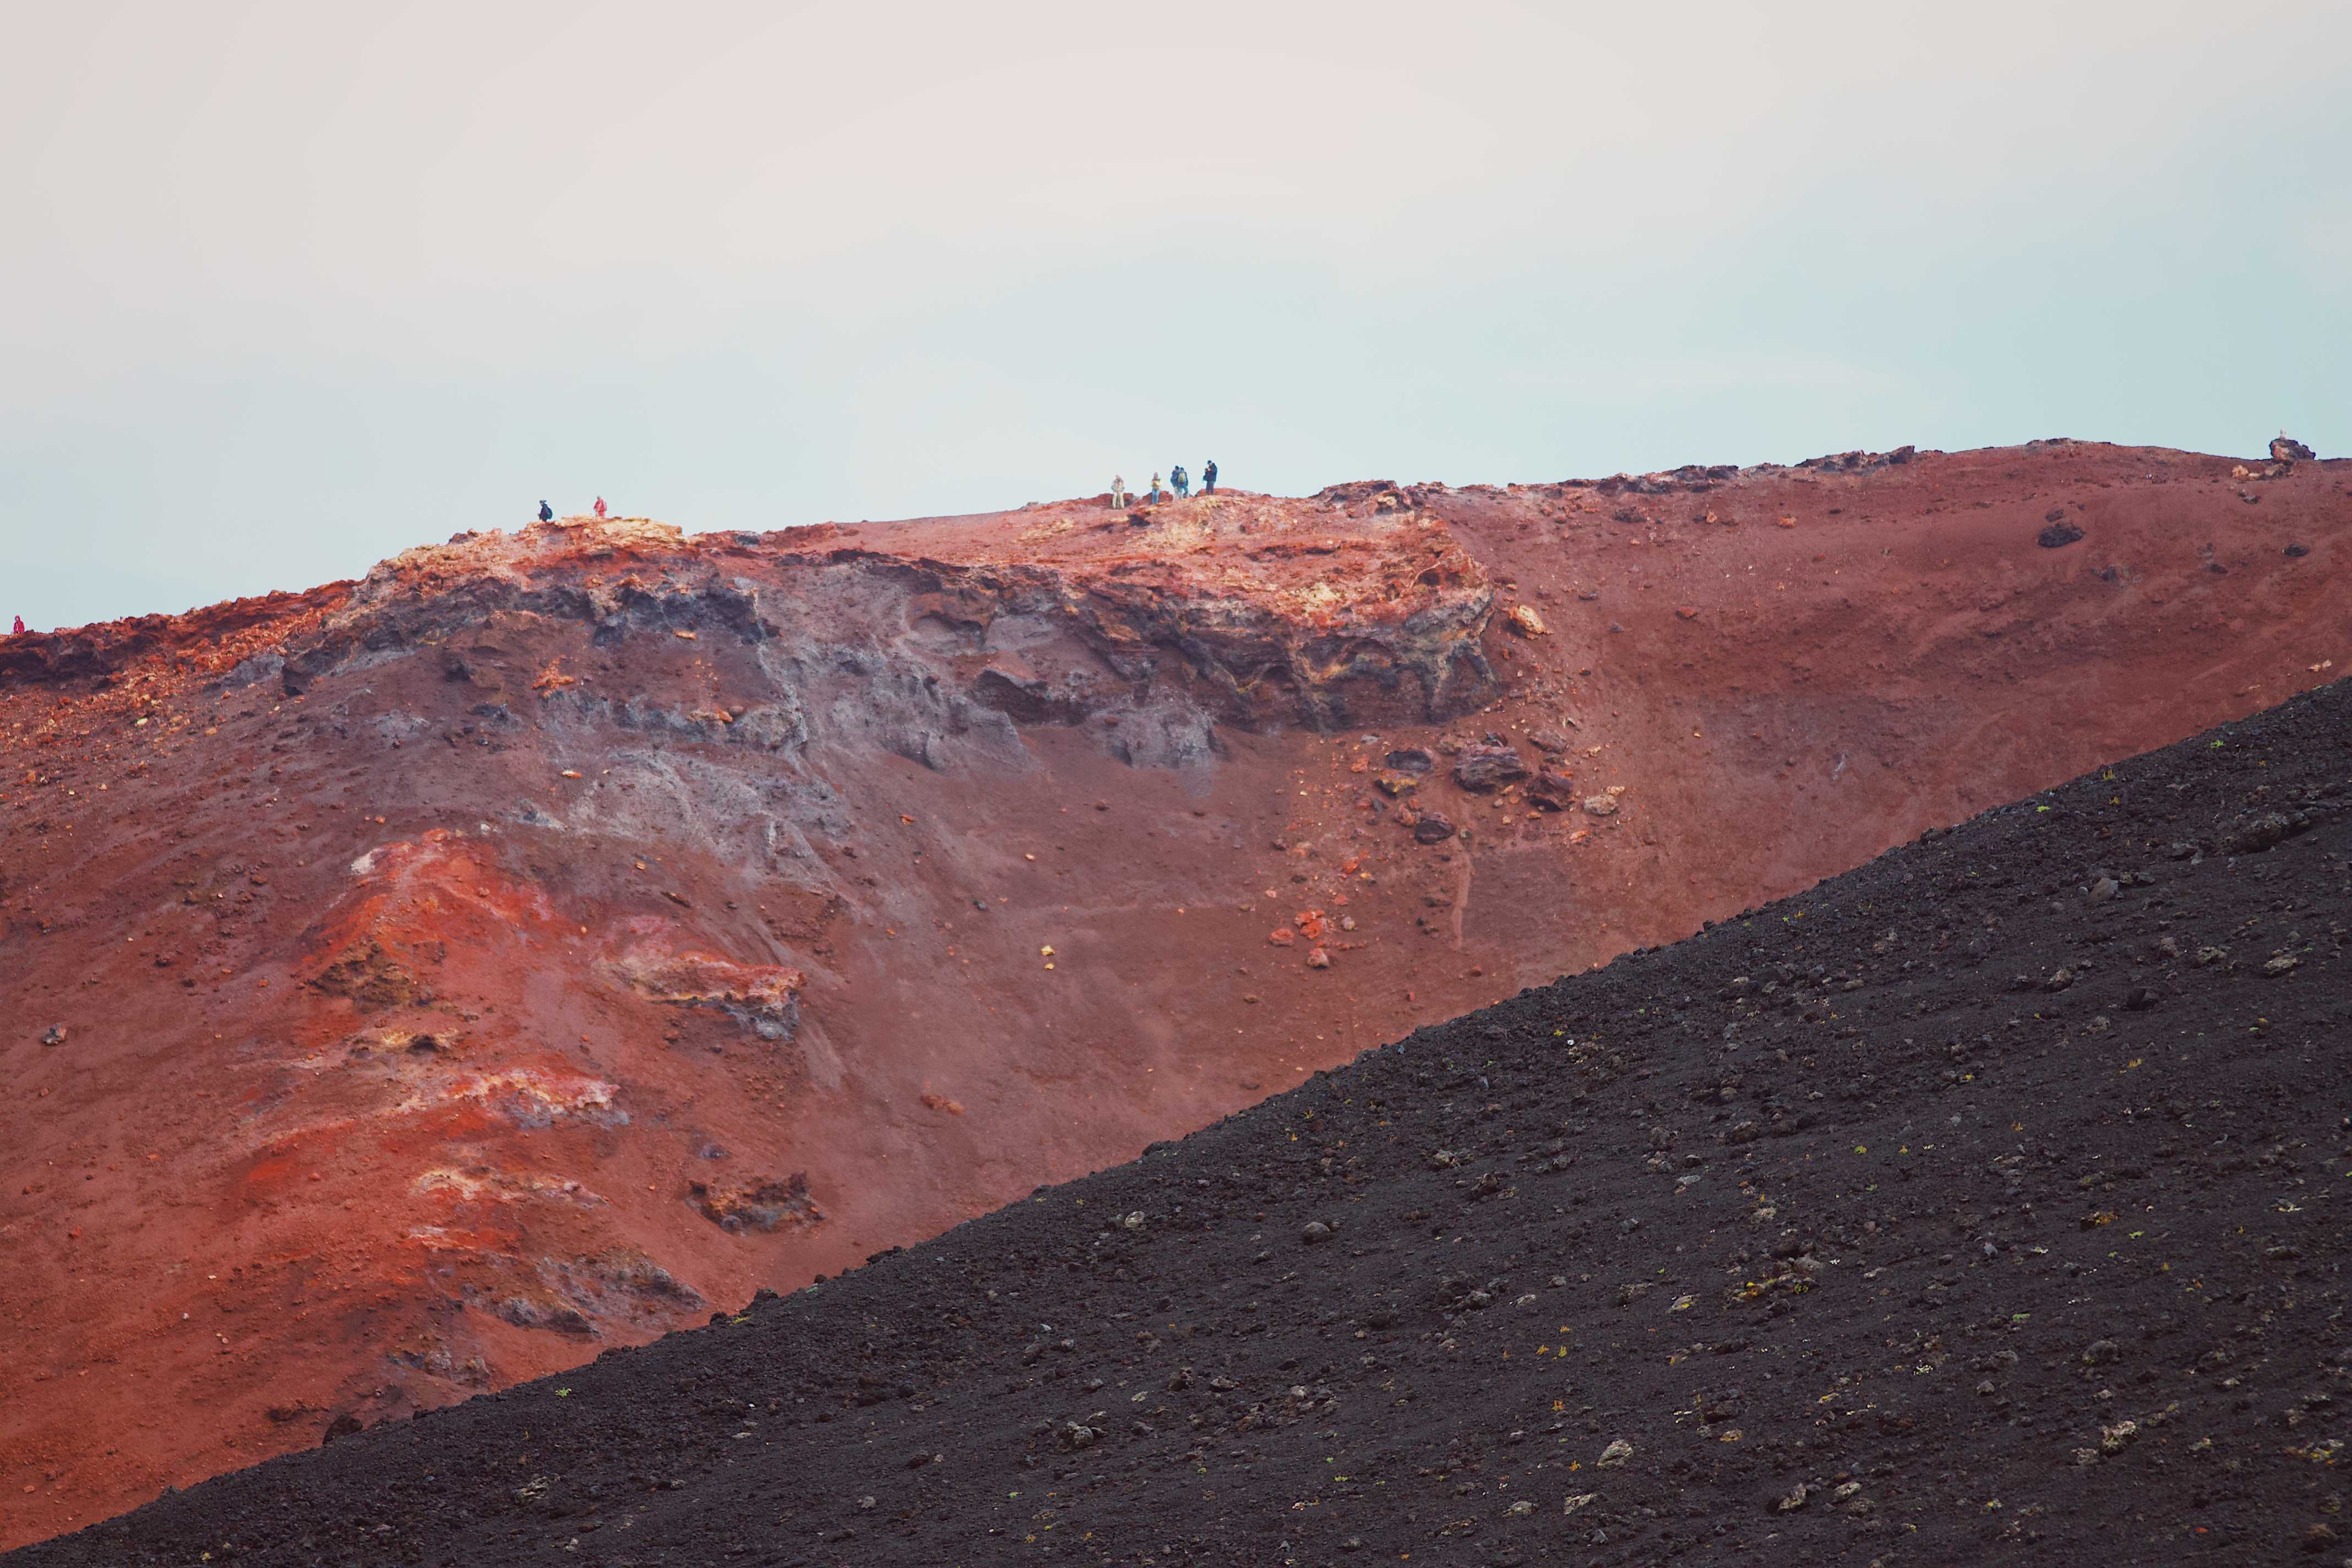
(1983, 1204)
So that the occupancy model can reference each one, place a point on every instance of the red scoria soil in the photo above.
(514, 954)
(1979, 1205)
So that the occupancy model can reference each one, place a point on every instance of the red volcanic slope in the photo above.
(558, 934)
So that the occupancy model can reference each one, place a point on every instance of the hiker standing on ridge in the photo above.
(1118, 493)
(1179, 481)
(20, 627)
(600, 506)
(1155, 487)
(1209, 477)
(546, 512)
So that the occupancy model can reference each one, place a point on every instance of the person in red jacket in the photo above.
(20, 627)
(600, 506)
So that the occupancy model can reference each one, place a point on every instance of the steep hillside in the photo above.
(1979, 1205)
(422, 984)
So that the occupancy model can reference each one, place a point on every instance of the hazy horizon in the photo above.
(294, 290)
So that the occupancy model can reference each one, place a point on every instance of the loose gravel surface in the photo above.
(1980, 1205)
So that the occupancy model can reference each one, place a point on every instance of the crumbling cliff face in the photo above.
(1253, 613)
(419, 983)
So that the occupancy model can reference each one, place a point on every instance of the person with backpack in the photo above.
(546, 512)
(1179, 481)
(1209, 477)
(1118, 493)
(599, 508)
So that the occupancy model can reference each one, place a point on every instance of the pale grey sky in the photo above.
(292, 287)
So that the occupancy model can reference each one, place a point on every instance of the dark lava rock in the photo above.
(1550, 741)
(2297, 551)
(1549, 790)
(2257, 834)
(1487, 768)
(2286, 448)
(2058, 535)
(1431, 829)
(1411, 760)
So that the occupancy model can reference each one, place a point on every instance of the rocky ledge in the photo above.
(1261, 611)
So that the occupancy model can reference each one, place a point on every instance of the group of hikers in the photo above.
(1180, 485)
(547, 512)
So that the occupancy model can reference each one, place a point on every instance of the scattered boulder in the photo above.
(2257, 834)
(765, 997)
(370, 977)
(560, 1317)
(2057, 536)
(54, 1034)
(1600, 805)
(1487, 768)
(1550, 741)
(763, 1204)
(1396, 784)
(1524, 620)
(1617, 1453)
(1549, 791)
(1411, 760)
(1431, 829)
(1314, 1232)
(2286, 448)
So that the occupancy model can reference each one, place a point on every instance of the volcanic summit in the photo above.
(420, 984)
